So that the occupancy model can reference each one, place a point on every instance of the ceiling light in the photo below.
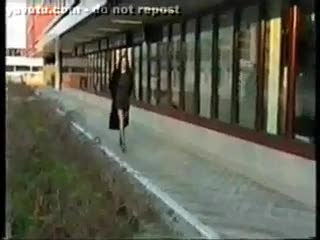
(82, 39)
(124, 21)
(313, 17)
(109, 29)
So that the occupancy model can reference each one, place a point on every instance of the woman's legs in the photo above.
(121, 128)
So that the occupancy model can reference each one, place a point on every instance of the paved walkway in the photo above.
(231, 205)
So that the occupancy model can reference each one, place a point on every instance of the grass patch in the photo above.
(55, 182)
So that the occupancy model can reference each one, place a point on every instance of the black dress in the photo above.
(121, 86)
(123, 93)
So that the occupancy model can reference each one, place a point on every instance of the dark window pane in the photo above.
(176, 64)
(9, 68)
(36, 69)
(154, 71)
(164, 91)
(225, 44)
(248, 66)
(137, 71)
(144, 72)
(23, 68)
(205, 66)
(65, 69)
(189, 48)
(77, 69)
(305, 86)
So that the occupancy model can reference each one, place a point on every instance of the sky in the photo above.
(16, 26)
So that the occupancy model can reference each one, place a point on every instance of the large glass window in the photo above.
(225, 43)
(305, 79)
(248, 66)
(144, 72)
(189, 68)
(117, 57)
(102, 71)
(176, 64)
(105, 70)
(23, 68)
(205, 66)
(137, 71)
(96, 72)
(164, 90)
(109, 69)
(89, 69)
(112, 60)
(154, 72)
(129, 56)
(9, 68)
(272, 63)
(36, 69)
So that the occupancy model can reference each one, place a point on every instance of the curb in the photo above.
(172, 213)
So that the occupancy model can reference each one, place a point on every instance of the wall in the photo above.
(12, 60)
(36, 25)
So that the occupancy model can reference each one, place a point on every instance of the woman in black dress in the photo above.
(121, 86)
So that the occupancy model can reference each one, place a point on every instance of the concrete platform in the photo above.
(229, 204)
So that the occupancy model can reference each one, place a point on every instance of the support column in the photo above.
(58, 65)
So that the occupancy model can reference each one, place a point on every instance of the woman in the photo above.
(121, 85)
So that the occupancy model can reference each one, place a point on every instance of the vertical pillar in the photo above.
(58, 65)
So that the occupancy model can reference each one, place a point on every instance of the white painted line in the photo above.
(204, 230)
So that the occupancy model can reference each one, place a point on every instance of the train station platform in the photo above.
(229, 204)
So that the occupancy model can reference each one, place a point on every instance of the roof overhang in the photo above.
(76, 29)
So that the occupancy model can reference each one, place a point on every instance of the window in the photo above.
(23, 68)
(305, 78)
(189, 68)
(104, 70)
(164, 82)
(129, 56)
(94, 72)
(176, 65)
(90, 71)
(137, 72)
(65, 69)
(225, 43)
(248, 66)
(77, 69)
(107, 70)
(113, 63)
(144, 72)
(205, 66)
(9, 68)
(101, 70)
(153, 72)
(36, 69)
(272, 63)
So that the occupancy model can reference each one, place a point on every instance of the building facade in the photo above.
(246, 70)
(37, 24)
(252, 67)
